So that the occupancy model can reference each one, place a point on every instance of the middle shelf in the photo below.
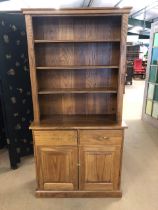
(77, 90)
(40, 41)
(75, 67)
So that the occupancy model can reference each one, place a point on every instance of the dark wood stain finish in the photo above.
(77, 28)
(53, 54)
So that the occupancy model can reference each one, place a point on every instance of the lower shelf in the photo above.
(76, 121)
(78, 194)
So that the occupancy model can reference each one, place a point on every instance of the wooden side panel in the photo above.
(99, 168)
(121, 79)
(32, 62)
(57, 167)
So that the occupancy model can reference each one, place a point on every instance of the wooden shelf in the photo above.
(75, 67)
(78, 120)
(76, 90)
(74, 41)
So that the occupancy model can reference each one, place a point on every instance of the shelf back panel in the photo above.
(77, 28)
(80, 104)
(91, 78)
(77, 54)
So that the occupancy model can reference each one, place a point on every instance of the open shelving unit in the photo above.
(77, 62)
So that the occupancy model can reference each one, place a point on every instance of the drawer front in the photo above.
(59, 137)
(101, 137)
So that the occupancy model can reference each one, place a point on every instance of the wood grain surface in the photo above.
(77, 69)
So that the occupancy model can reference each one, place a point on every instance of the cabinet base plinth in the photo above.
(78, 194)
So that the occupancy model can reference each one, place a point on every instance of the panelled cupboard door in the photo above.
(57, 167)
(99, 168)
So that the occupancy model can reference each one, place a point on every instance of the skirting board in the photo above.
(78, 194)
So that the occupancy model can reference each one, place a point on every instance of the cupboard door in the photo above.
(57, 167)
(99, 168)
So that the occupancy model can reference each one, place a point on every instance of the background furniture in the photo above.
(132, 53)
(129, 73)
(138, 68)
(77, 66)
(150, 105)
(15, 93)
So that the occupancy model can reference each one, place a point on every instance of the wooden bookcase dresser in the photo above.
(77, 67)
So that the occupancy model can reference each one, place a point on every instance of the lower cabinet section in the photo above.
(78, 167)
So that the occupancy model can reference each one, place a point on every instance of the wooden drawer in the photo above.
(101, 137)
(59, 137)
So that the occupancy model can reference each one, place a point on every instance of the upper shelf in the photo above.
(75, 67)
(73, 41)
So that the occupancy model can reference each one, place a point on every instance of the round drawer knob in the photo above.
(101, 138)
(105, 137)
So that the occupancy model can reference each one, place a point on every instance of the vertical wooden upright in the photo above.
(32, 63)
(121, 80)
